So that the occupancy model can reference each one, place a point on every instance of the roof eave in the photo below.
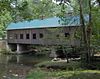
(45, 27)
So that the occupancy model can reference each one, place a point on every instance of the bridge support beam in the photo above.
(53, 53)
(19, 48)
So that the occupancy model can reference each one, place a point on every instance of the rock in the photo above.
(15, 75)
(55, 59)
(10, 70)
(4, 76)
(21, 64)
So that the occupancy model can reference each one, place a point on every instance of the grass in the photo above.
(78, 74)
(82, 74)
(73, 65)
(37, 74)
(63, 70)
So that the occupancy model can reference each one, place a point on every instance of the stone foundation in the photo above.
(2, 44)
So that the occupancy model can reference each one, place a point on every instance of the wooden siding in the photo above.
(49, 40)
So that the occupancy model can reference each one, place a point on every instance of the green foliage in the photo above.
(5, 19)
(43, 9)
(95, 36)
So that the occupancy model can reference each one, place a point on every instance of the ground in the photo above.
(76, 74)
(62, 70)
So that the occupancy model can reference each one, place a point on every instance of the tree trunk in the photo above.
(89, 31)
(65, 54)
(84, 35)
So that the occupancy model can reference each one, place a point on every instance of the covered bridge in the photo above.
(49, 31)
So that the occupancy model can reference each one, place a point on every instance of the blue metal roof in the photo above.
(49, 22)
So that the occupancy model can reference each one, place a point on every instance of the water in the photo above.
(18, 66)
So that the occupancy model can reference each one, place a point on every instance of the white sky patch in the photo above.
(13, 5)
(94, 3)
(67, 4)
(57, 2)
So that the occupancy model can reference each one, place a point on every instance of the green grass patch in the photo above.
(73, 65)
(81, 74)
(37, 74)
(70, 70)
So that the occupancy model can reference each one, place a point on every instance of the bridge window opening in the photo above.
(67, 34)
(16, 36)
(21, 36)
(27, 36)
(34, 36)
(41, 35)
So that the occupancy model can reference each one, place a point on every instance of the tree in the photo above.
(86, 7)
(20, 10)
(5, 19)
